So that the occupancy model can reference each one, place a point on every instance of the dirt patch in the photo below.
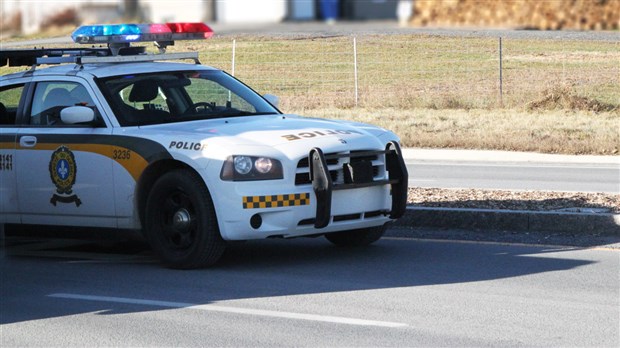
(564, 97)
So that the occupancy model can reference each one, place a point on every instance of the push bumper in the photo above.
(358, 175)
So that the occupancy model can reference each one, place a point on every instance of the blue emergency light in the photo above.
(118, 38)
(127, 33)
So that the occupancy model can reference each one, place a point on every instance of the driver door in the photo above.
(63, 170)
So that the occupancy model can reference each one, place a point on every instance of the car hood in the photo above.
(272, 131)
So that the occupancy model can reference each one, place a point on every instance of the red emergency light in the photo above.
(127, 33)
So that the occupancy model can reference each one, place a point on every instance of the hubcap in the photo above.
(177, 220)
(181, 219)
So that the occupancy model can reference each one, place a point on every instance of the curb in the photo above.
(511, 220)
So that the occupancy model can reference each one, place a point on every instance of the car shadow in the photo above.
(256, 269)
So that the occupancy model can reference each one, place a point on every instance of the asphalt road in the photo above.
(508, 170)
(569, 177)
(306, 292)
(386, 27)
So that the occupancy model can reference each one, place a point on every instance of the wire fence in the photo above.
(379, 71)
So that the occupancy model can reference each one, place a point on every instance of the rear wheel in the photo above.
(359, 237)
(180, 221)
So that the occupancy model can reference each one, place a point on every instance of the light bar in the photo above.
(127, 33)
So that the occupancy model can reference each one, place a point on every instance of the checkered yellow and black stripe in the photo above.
(276, 201)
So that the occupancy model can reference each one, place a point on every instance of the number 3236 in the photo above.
(121, 154)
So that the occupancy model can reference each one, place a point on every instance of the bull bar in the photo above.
(323, 185)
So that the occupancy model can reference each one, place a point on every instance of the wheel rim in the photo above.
(178, 220)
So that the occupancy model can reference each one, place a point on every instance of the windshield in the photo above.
(165, 97)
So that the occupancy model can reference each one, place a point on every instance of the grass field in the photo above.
(557, 96)
(437, 92)
(557, 131)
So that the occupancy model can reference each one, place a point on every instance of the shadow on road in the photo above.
(257, 269)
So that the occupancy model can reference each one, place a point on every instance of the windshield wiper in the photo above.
(221, 114)
(238, 113)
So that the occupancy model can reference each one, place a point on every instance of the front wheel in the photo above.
(359, 237)
(180, 221)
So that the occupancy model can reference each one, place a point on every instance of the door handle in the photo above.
(28, 141)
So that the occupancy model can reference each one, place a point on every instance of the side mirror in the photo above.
(77, 115)
(272, 99)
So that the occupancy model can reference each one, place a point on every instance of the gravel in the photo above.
(515, 200)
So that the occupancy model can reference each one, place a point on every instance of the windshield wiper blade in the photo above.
(224, 114)
(238, 113)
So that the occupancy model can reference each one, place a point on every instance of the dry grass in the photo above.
(412, 71)
(558, 96)
(547, 131)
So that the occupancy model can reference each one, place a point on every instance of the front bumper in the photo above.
(328, 202)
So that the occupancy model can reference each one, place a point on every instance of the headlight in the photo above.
(243, 164)
(245, 168)
(263, 165)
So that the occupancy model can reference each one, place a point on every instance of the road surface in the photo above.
(515, 176)
(358, 28)
(505, 170)
(306, 292)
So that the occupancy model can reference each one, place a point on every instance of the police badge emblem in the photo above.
(63, 170)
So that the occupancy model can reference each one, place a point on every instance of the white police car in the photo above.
(114, 137)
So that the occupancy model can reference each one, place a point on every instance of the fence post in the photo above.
(232, 68)
(233, 57)
(501, 80)
(355, 69)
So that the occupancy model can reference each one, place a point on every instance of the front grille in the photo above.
(304, 178)
(348, 217)
(335, 165)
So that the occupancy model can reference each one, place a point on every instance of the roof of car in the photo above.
(119, 57)
(111, 69)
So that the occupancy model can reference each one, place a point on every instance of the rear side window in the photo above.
(9, 101)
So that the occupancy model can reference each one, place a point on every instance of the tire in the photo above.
(357, 238)
(180, 221)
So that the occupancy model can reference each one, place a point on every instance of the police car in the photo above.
(119, 138)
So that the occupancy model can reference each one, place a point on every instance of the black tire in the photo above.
(357, 238)
(180, 221)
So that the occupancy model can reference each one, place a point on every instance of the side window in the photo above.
(9, 101)
(51, 97)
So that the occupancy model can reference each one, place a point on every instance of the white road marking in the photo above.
(235, 310)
